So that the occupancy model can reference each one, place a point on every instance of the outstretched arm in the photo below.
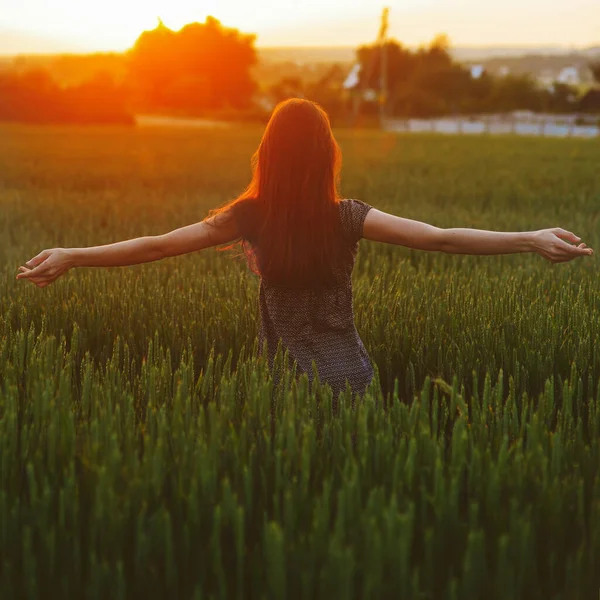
(549, 243)
(50, 264)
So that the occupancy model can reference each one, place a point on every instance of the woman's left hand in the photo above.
(47, 266)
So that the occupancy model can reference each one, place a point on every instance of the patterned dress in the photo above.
(319, 325)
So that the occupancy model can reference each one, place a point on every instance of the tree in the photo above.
(590, 102)
(329, 93)
(400, 64)
(34, 97)
(595, 69)
(424, 83)
(515, 92)
(287, 87)
(151, 63)
(204, 66)
(562, 98)
(98, 100)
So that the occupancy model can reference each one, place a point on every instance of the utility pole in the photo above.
(365, 72)
(383, 80)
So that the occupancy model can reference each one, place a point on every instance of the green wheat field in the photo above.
(146, 453)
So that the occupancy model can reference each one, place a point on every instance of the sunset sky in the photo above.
(83, 25)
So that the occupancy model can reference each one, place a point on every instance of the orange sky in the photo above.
(83, 25)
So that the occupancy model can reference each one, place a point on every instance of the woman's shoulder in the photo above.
(246, 213)
(353, 213)
(353, 209)
(353, 202)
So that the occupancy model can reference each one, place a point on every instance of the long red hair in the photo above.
(288, 216)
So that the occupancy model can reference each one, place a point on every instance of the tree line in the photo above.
(34, 97)
(206, 69)
(200, 68)
(427, 82)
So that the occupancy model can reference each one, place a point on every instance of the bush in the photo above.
(34, 97)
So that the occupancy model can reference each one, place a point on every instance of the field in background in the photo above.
(145, 453)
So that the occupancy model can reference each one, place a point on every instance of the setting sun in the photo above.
(114, 25)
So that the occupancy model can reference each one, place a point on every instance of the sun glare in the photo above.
(114, 25)
(121, 35)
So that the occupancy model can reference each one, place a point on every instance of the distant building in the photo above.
(569, 76)
(352, 85)
(353, 78)
(477, 71)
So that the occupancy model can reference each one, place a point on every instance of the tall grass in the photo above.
(145, 451)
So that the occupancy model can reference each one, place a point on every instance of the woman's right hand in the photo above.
(551, 244)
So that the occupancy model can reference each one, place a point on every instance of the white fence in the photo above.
(536, 125)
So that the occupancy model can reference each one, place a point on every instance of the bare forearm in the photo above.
(477, 241)
(120, 254)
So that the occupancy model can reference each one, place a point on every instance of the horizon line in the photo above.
(267, 46)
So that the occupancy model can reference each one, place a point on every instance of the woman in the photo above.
(301, 238)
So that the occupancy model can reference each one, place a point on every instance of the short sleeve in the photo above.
(246, 217)
(352, 215)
